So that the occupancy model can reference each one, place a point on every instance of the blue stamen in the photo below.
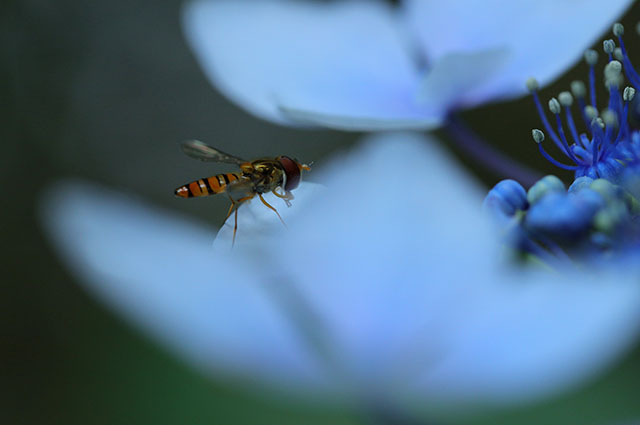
(585, 141)
(597, 140)
(553, 161)
(621, 130)
(581, 153)
(607, 146)
(579, 91)
(565, 144)
(591, 57)
(532, 85)
(582, 104)
(632, 75)
(566, 100)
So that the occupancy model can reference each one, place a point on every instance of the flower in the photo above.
(386, 285)
(365, 65)
(600, 211)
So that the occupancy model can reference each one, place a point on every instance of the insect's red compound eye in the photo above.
(292, 172)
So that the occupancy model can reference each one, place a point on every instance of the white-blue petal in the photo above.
(340, 64)
(257, 224)
(545, 37)
(160, 271)
(523, 337)
(455, 78)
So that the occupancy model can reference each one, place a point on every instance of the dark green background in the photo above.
(104, 91)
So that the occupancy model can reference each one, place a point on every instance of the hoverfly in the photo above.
(256, 177)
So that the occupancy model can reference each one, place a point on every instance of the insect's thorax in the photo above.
(266, 174)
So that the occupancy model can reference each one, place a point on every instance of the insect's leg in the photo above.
(235, 204)
(231, 209)
(271, 208)
(235, 228)
(288, 196)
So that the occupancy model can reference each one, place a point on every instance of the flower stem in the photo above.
(492, 159)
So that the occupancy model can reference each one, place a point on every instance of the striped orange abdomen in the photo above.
(207, 186)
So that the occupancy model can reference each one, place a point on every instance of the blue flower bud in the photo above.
(562, 216)
(506, 197)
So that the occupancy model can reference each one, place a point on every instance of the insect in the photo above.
(279, 175)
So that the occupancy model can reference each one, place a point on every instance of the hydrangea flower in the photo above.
(600, 211)
(390, 293)
(365, 65)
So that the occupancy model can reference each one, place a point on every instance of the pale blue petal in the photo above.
(524, 337)
(257, 224)
(545, 37)
(454, 79)
(160, 271)
(341, 64)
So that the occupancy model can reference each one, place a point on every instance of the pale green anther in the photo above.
(618, 29)
(578, 89)
(538, 135)
(590, 112)
(544, 186)
(628, 93)
(617, 53)
(613, 66)
(609, 117)
(532, 84)
(554, 106)
(613, 73)
(609, 46)
(591, 56)
(565, 98)
(600, 122)
(612, 70)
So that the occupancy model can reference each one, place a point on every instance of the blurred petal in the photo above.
(404, 274)
(257, 224)
(528, 336)
(386, 285)
(341, 65)
(455, 77)
(544, 37)
(159, 270)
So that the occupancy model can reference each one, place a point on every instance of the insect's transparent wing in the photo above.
(199, 150)
(241, 188)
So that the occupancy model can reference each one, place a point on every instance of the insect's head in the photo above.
(292, 172)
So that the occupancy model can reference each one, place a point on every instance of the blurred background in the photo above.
(105, 91)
